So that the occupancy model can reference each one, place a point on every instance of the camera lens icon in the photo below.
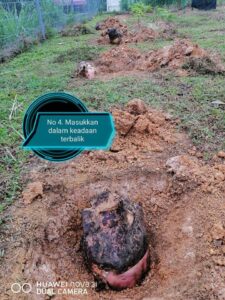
(17, 288)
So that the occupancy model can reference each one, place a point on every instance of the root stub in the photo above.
(115, 241)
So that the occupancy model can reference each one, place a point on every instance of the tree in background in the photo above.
(126, 4)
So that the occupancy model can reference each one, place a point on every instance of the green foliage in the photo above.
(2, 27)
(163, 14)
(23, 25)
(126, 4)
(139, 9)
(53, 14)
(1, 207)
(49, 32)
(13, 28)
(148, 8)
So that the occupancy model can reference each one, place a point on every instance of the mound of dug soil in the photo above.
(23, 44)
(183, 205)
(76, 30)
(111, 22)
(121, 58)
(176, 55)
(140, 34)
(181, 54)
(204, 65)
(172, 56)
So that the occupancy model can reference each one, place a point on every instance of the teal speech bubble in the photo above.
(77, 130)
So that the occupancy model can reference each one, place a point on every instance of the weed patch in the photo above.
(83, 52)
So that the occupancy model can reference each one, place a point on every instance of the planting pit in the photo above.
(152, 164)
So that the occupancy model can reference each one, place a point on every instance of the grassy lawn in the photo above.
(49, 66)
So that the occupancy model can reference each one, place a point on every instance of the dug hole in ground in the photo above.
(151, 163)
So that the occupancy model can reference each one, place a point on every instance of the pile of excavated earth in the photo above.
(110, 23)
(151, 169)
(182, 55)
(138, 34)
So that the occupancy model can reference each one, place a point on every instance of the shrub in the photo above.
(139, 9)
(164, 14)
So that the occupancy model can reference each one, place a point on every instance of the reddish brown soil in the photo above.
(121, 58)
(182, 199)
(112, 22)
(137, 35)
(181, 54)
(141, 34)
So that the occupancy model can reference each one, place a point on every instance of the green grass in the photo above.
(186, 98)
(25, 78)
(205, 28)
(83, 52)
(49, 66)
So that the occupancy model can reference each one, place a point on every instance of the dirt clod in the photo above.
(221, 154)
(142, 124)
(124, 121)
(32, 191)
(218, 232)
(136, 107)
